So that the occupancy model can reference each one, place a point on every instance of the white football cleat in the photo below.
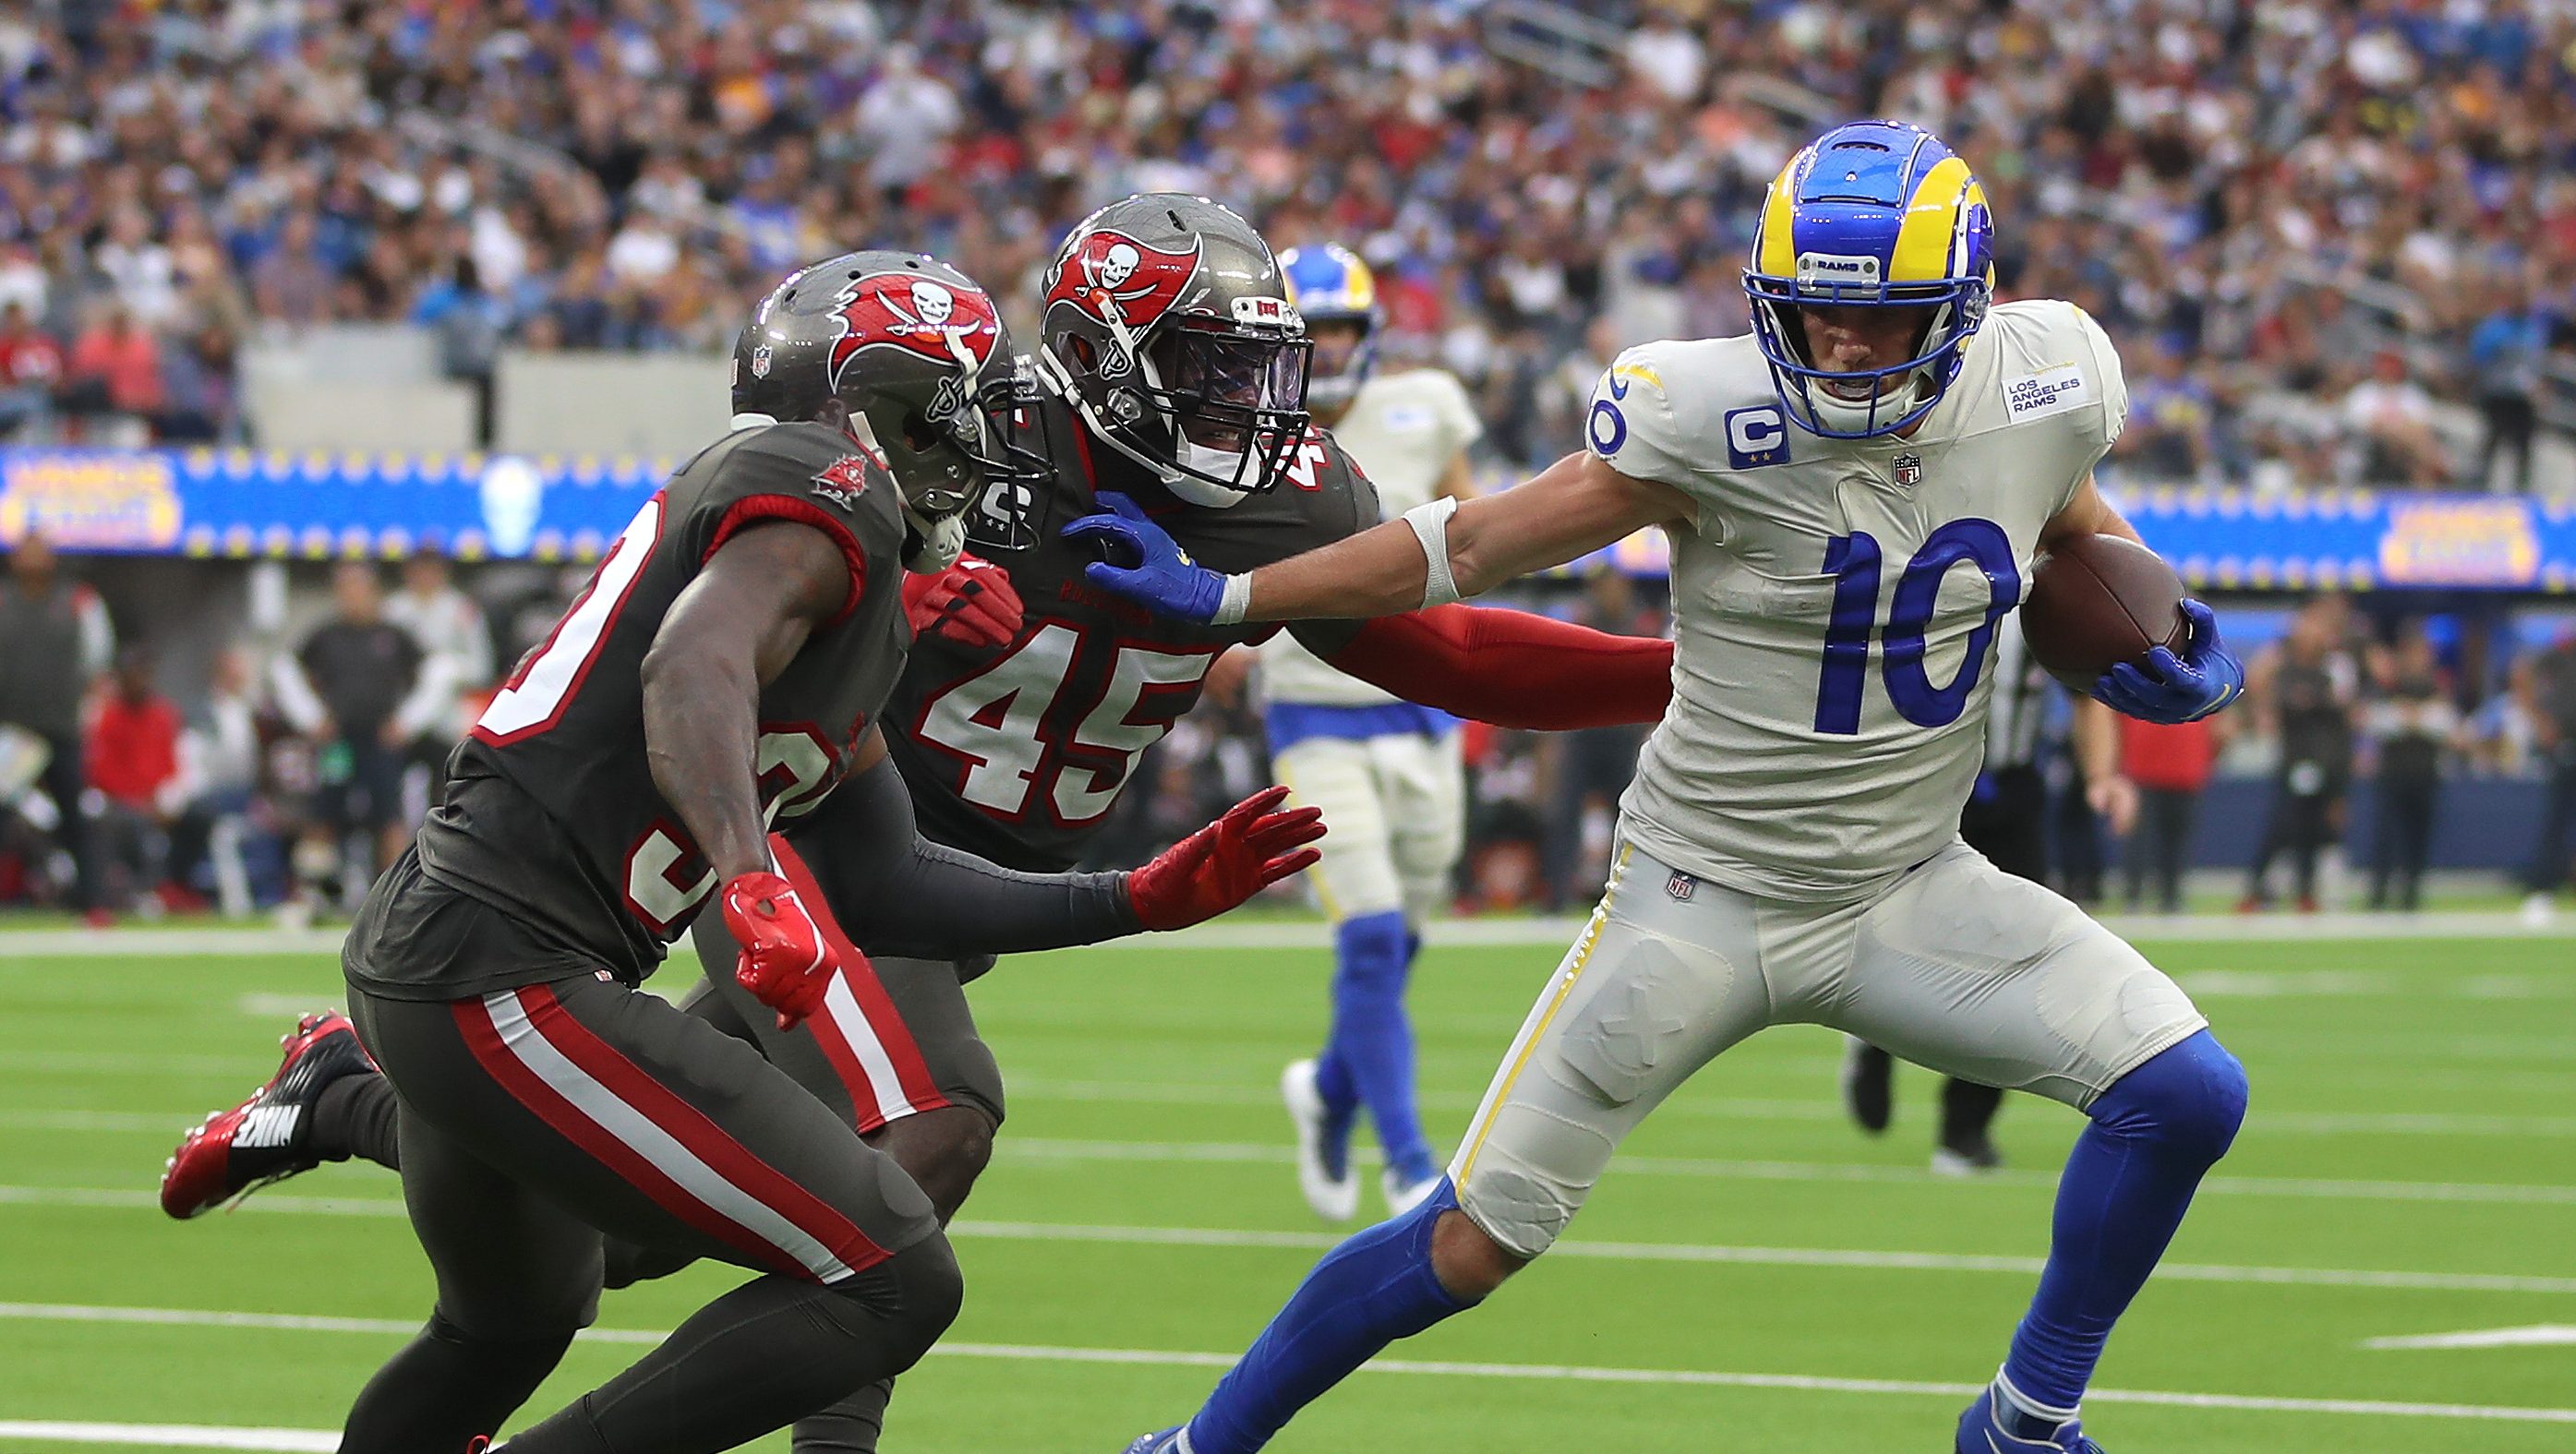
(2536, 910)
(1403, 1196)
(1335, 1197)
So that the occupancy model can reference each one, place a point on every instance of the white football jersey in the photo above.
(1835, 600)
(1402, 430)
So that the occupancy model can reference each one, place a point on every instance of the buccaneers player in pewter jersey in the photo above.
(727, 664)
(1170, 370)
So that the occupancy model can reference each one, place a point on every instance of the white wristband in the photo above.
(1430, 524)
(1236, 600)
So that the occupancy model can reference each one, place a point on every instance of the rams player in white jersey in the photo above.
(1385, 771)
(1855, 494)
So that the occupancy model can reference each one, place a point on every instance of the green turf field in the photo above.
(2410, 1169)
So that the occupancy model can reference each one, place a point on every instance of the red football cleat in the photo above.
(267, 1137)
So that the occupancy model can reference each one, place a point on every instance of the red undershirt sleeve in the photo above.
(1512, 668)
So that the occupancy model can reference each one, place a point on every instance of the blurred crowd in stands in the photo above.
(2337, 241)
(301, 758)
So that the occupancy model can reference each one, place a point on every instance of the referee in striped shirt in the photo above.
(2006, 819)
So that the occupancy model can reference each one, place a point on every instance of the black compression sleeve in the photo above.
(899, 894)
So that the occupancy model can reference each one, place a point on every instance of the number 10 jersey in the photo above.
(1835, 600)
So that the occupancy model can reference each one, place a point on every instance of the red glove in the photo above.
(1252, 847)
(971, 601)
(787, 962)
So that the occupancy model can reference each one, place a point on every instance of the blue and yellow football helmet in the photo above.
(1330, 284)
(1873, 214)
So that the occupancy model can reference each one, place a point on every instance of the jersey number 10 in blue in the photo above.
(1853, 561)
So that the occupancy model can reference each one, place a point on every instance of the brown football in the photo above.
(2099, 600)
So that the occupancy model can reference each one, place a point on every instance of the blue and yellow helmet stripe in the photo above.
(1330, 283)
(1871, 214)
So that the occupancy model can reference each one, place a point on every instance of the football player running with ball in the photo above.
(1855, 494)
(1171, 367)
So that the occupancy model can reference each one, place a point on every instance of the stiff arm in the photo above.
(1574, 507)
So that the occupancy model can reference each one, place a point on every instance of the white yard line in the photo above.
(219, 1438)
(171, 1436)
(1738, 1108)
(249, 942)
(1269, 1153)
(1687, 1252)
(1842, 1173)
(1040, 1089)
(2543, 1335)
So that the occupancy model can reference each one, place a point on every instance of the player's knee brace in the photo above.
(1373, 952)
(2189, 1101)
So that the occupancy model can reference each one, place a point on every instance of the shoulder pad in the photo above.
(1658, 407)
(2057, 362)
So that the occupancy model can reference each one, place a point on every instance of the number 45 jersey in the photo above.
(551, 814)
(1017, 755)
(1835, 600)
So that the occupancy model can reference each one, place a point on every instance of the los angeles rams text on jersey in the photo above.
(1836, 599)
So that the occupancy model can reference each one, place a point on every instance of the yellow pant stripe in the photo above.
(1538, 1032)
(1314, 876)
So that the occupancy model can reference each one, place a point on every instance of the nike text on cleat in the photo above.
(268, 1137)
(1988, 1429)
(1323, 1150)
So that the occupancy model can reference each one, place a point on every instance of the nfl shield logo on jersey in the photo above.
(1909, 469)
(1680, 885)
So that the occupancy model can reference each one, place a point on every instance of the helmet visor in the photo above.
(1227, 389)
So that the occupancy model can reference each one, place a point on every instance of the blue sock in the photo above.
(1371, 1050)
(1341, 1096)
(1376, 1287)
(2126, 1187)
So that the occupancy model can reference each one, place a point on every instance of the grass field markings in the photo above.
(1264, 1153)
(1682, 1252)
(127, 1062)
(1269, 1153)
(1547, 932)
(1556, 1372)
(1190, 1093)
(121, 1198)
(172, 1436)
(2541, 1335)
(1796, 1257)
(99, 1121)
(2317, 1123)
(1273, 1154)
(2268, 984)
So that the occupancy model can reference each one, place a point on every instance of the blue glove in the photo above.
(1162, 577)
(2169, 689)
